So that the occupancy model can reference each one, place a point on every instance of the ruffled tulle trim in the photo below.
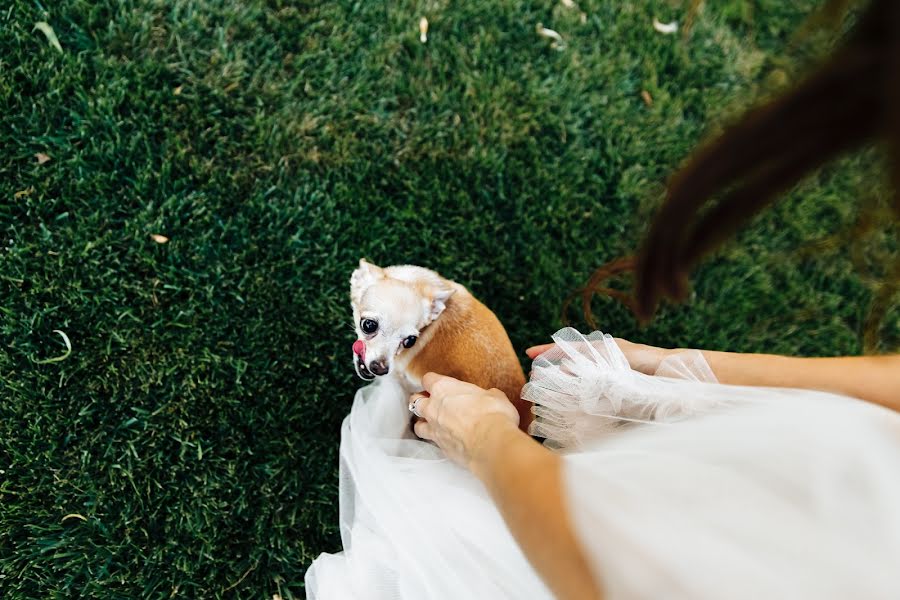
(584, 388)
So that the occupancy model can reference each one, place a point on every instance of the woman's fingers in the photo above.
(443, 385)
(432, 382)
(421, 405)
(449, 411)
(536, 351)
(423, 429)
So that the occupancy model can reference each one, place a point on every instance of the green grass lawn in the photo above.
(194, 427)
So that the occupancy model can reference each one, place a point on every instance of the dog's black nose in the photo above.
(379, 367)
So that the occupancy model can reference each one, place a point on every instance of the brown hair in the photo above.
(852, 99)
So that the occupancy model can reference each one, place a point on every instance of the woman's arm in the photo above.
(525, 481)
(478, 429)
(872, 378)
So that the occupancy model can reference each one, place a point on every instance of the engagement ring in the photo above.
(414, 406)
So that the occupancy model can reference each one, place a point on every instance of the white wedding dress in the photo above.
(677, 486)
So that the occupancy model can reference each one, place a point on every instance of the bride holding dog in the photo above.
(660, 473)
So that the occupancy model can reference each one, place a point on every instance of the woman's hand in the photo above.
(460, 417)
(478, 428)
(641, 357)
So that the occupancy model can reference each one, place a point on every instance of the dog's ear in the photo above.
(437, 297)
(364, 276)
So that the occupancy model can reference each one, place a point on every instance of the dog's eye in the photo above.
(410, 341)
(369, 326)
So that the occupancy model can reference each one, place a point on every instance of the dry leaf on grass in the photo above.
(42, 158)
(22, 193)
(62, 356)
(646, 97)
(558, 43)
(48, 32)
(159, 239)
(665, 28)
(73, 516)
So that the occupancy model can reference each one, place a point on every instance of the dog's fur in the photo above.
(456, 334)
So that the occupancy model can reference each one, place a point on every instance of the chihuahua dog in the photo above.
(410, 320)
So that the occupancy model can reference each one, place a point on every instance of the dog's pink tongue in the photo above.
(359, 349)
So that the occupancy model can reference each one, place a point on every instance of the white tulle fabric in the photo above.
(677, 486)
(413, 524)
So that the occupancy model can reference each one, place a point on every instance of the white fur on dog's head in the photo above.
(403, 300)
(365, 275)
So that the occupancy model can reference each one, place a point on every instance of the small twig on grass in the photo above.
(243, 577)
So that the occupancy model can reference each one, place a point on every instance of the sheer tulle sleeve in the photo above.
(583, 389)
(681, 487)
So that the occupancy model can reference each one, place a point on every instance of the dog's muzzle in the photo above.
(359, 361)
(362, 371)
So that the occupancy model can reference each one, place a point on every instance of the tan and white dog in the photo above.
(410, 320)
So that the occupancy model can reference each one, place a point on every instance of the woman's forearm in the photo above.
(525, 481)
(875, 379)
(872, 378)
